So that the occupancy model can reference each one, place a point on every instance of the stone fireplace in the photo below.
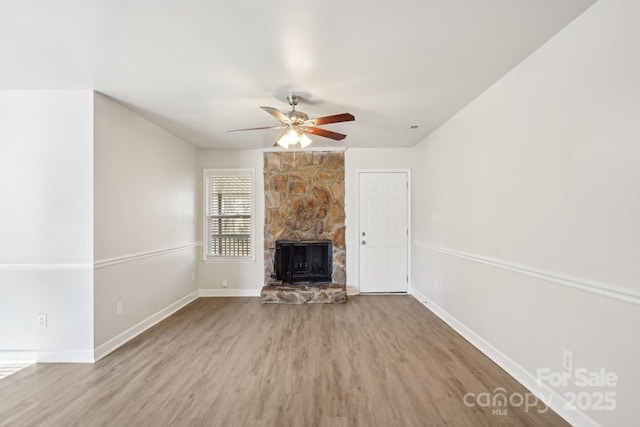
(304, 205)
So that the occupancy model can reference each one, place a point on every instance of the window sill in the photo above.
(222, 260)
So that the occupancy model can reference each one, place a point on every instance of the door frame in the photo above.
(359, 232)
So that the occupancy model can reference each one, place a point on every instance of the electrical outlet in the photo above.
(193, 275)
(118, 308)
(567, 360)
(437, 285)
(224, 283)
(42, 320)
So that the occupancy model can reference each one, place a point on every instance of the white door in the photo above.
(383, 231)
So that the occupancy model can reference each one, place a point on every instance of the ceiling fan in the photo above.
(297, 124)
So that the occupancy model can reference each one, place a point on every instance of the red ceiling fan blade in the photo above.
(323, 132)
(336, 118)
(261, 128)
(277, 114)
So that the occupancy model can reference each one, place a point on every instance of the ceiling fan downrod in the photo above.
(293, 101)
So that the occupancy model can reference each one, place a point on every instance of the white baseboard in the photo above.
(351, 291)
(230, 292)
(91, 356)
(18, 355)
(552, 399)
(106, 348)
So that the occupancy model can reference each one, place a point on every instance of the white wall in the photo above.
(243, 277)
(358, 159)
(46, 242)
(145, 239)
(526, 208)
(248, 277)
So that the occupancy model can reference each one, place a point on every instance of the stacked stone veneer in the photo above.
(304, 200)
(304, 294)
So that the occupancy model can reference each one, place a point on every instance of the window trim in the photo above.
(208, 172)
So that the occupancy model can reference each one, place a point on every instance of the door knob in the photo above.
(363, 242)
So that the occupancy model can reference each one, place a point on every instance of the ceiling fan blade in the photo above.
(277, 114)
(261, 128)
(323, 132)
(337, 118)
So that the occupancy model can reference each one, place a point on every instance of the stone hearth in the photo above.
(316, 293)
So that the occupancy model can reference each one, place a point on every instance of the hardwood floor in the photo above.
(375, 361)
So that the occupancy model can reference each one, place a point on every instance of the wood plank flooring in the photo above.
(375, 361)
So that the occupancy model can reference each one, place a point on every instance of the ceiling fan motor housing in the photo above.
(297, 117)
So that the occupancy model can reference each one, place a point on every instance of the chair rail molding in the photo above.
(48, 266)
(136, 256)
(597, 288)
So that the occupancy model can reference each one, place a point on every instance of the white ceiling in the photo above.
(201, 67)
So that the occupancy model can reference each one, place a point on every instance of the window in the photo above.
(228, 213)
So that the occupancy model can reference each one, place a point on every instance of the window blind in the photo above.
(229, 215)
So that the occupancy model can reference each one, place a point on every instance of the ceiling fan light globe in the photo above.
(282, 142)
(290, 137)
(304, 140)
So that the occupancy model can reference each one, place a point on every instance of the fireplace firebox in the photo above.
(303, 261)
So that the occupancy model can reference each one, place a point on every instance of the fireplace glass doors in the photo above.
(304, 261)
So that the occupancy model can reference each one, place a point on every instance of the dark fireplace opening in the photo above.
(300, 261)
